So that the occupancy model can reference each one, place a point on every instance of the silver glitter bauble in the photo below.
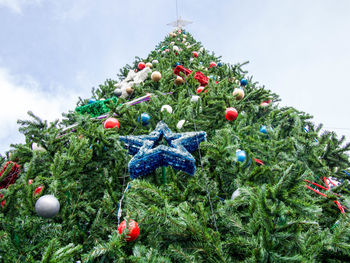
(47, 206)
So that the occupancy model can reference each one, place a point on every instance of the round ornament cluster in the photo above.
(47, 206)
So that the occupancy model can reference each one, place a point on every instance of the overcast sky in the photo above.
(52, 51)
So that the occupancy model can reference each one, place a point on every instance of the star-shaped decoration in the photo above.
(149, 154)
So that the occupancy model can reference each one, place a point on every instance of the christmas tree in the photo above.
(184, 159)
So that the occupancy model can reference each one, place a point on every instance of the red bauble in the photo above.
(38, 190)
(212, 65)
(30, 181)
(195, 54)
(111, 123)
(200, 89)
(133, 230)
(259, 162)
(231, 114)
(141, 65)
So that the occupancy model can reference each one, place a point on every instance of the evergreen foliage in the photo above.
(275, 217)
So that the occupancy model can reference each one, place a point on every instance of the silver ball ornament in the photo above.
(118, 92)
(47, 206)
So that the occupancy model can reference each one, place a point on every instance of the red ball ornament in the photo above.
(231, 114)
(195, 54)
(30, 181)
(133, 230)
(111, 123)
(141, 65)
(200, 89)
(212, 65)
(38, 190)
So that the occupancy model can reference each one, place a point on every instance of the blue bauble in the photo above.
(183, 31)
(263, 129)
(145, 118)
(244, 82)
(92, 100)
(241, 156)
(212, 77)
(177, 64)
(219, 64)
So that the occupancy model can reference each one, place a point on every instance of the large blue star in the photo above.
(149, 155)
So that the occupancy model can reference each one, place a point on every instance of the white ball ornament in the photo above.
(149, 64)
(154, 61)
(195, 98)
(172, 43)
(180, 124)
(176, 48)
(47, 206)
(168, 108)
(36, 147)
(235, 194)
(156, 76)
(238, 93)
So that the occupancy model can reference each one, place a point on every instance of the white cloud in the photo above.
(19, 95)
(18, 5)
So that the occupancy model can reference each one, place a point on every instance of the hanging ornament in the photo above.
(36, 147)
(200, 89)
(178, 81)
(265, 103)
(118, 92)
(132, 232)
(129, 90)
(92, 100)
(263, 129)
(141, 65)
(47, 206)
(176, 48)
(9, 174)
(195, 54)
(241, 156)
(30, 181)
(195, 98)
(219, 64)
(172, 43)
(145, 118)
(212, 64)
(168, 108)
(111, 123)
(149, 154)
(156, 76)
(180, 124)
(258, 161)
(235, 194)
(231, 114)
(38, 190)
(244, 82)
(238, 93)
(154, 61)
(149, 64)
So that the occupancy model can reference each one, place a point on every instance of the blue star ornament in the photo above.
(149, 154)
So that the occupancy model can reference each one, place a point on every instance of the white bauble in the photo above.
(47, 206)
(180, 124)
(168, 108)
(195, 98)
